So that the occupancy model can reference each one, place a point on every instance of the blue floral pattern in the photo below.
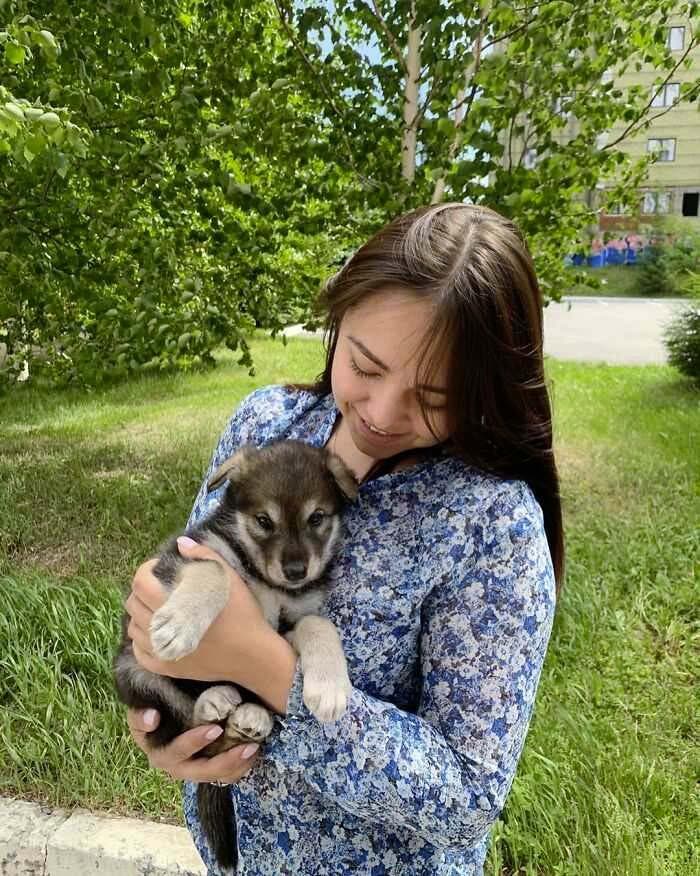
(443, 593)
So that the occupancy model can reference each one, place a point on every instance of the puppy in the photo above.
(278, 524)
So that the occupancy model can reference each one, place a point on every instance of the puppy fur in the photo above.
(278, 525)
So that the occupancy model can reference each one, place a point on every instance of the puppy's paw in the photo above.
(249, 723)
(326, 693)
(215, 704)
(173, 634)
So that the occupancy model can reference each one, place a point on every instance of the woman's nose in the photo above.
(386, 408)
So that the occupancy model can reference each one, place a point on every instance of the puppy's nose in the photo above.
(295, 570)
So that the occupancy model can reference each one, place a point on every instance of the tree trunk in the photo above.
(410, 103)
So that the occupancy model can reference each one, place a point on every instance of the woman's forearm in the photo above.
(270, 670)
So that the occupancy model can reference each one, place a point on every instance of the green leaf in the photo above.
(49, 120)
(47, 39)
(15, 53)
(15, 111)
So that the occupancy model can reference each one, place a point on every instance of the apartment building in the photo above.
(673, 183)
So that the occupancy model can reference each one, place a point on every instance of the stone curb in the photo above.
(36, 841)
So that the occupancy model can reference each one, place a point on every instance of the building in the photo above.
(673, 183)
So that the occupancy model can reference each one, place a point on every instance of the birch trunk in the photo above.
(410, 103)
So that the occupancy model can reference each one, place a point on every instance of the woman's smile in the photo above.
(373, 433)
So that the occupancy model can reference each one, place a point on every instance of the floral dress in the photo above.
(443, 594)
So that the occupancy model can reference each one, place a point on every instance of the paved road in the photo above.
(620, 331)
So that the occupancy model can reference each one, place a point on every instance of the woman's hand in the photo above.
(240, 646)
(177, 758)
(230, 643)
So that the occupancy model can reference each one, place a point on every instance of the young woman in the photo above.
(433, 393)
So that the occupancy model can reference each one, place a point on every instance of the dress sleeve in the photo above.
(444, 772)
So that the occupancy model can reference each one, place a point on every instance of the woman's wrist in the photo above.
(270, 670)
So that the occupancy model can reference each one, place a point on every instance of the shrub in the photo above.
(665, 268)
(682, 339)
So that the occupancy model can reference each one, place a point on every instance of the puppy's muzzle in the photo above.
(295, 570)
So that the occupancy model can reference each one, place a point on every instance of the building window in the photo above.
(691, 202)
(529, 159)
(665, 150)
(656, 202)
(666, 95)
(560, 106)
(615, 210)
(676, 39)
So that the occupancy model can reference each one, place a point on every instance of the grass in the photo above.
(618, 281)
(90, 484)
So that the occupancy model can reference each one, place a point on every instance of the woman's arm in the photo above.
(444, 772)
(239, 646)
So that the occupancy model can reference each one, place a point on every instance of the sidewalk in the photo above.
(619, 331)
(35, 841)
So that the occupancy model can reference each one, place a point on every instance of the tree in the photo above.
(451, 100)
(199, 196)
(170, 182)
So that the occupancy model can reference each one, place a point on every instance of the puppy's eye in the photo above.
(316, 519)
(264, 522)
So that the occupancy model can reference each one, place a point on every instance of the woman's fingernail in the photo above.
(249, 751)
(184, 541)
(149, 717)
(213, 733)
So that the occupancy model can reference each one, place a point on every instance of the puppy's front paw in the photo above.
(249, 722)
(216, 703)
(173, 634)
(326, 693)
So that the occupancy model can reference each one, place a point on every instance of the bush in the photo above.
(665, 268)
(683, 342)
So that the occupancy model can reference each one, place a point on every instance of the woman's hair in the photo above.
(475, 269)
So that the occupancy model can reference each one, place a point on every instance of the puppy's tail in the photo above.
(218, 819)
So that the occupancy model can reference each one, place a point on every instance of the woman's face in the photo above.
(374, 379)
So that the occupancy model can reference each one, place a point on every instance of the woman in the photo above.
(434, 395)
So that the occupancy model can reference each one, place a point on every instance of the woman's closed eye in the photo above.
(440, 406)
(424, 403)
(360, 371)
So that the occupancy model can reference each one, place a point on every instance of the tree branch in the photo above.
(292, 37)
(692, 43)
(377, 14)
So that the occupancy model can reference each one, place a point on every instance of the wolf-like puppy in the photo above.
(278, 525)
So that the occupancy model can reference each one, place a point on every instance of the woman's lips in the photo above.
(376, 437)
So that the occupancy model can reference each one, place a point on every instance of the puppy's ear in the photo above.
(234, 465)
(342, 475)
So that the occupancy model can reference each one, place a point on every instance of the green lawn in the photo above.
(618, 281)
(90, 483)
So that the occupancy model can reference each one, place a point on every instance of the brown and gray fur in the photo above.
(278, 525)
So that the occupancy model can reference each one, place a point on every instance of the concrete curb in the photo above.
(36, 841)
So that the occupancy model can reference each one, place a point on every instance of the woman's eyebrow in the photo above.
(361, 347)
(422, 386)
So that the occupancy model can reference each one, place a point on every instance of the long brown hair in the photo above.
(474, 267)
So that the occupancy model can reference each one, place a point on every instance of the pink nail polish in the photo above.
(249, 751)
(185, 541)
